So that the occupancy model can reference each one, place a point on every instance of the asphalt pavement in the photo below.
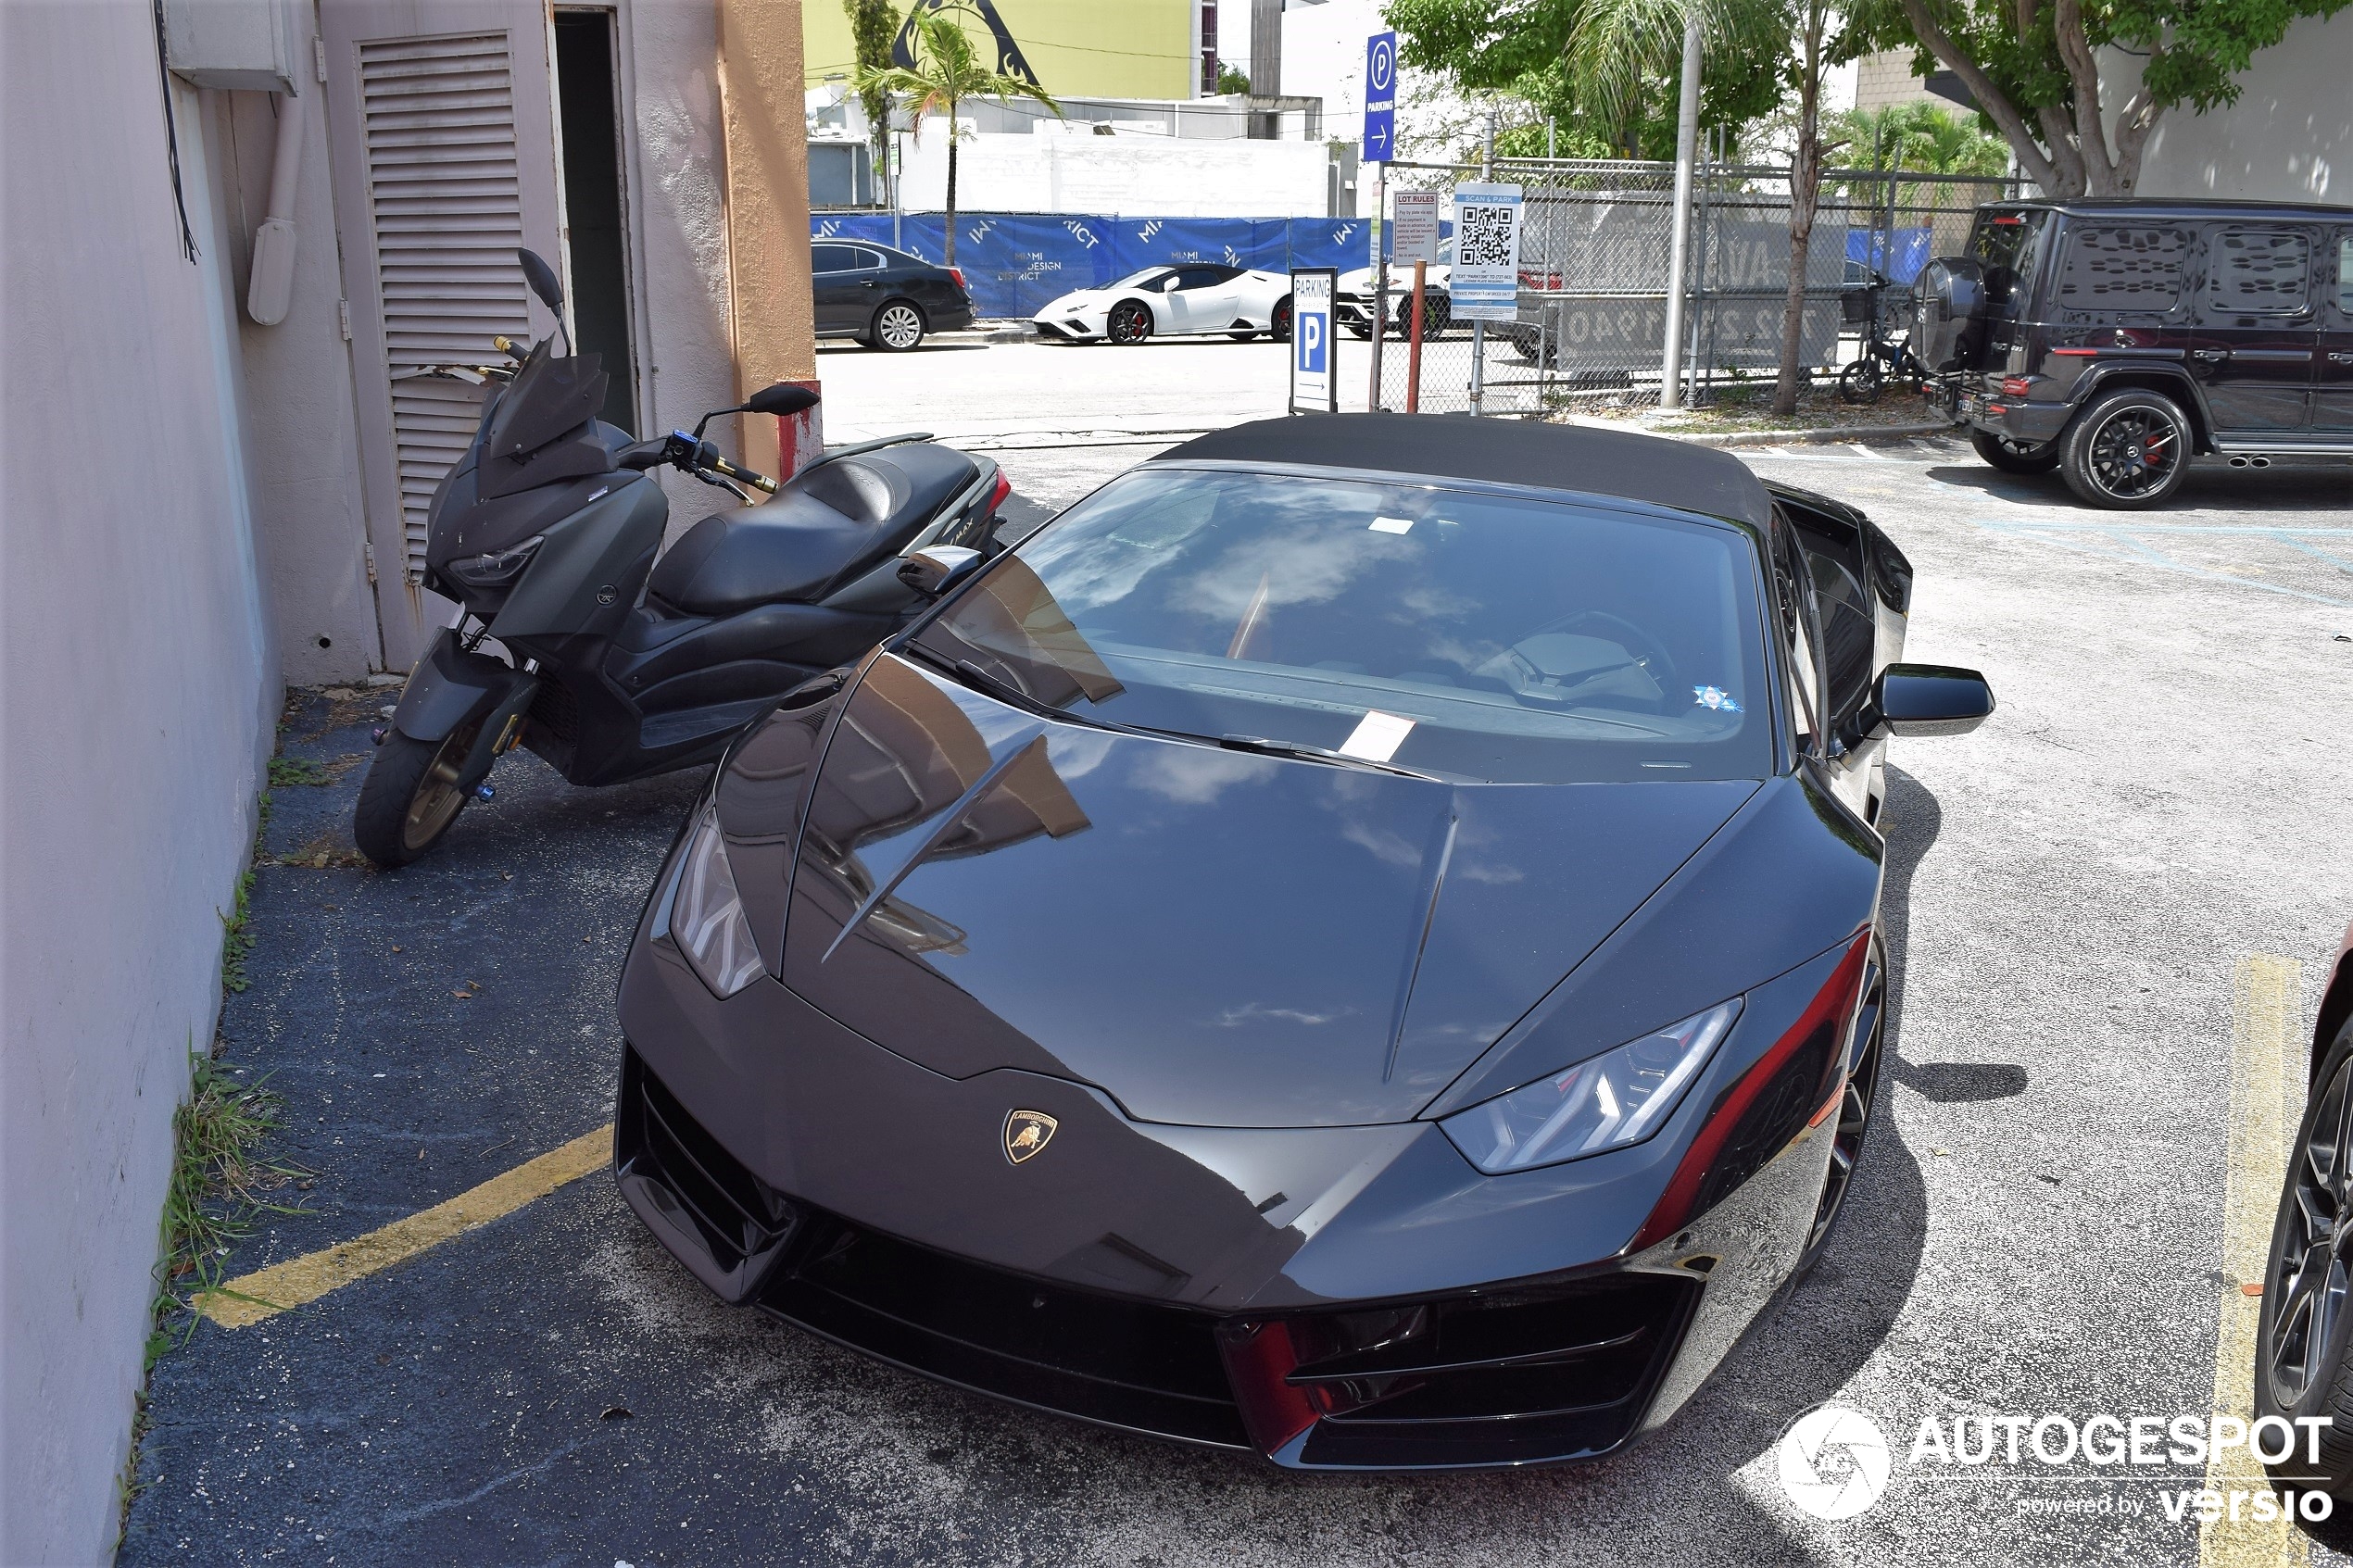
(2036, 1228)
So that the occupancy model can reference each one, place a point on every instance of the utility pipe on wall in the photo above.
(269, 285)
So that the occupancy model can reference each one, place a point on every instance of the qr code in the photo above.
(1483, 236)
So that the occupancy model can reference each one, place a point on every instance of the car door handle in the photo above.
(2336, 358)
(2210, 355)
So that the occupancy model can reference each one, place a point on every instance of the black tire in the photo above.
(1857, 1106)
(1129, 324)
(2129, 450)
(898, 326)
(2301, 1368)
(2013, 457)
(1861, 381)
(1242, 335)
(1278, 323)
(1360, 333)
(410, 796)
(1437, 314)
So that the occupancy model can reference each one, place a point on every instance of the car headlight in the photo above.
(1609, 1101)
(707, 918)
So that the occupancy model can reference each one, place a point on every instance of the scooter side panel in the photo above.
(588, 575)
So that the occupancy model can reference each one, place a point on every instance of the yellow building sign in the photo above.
(1073, 48)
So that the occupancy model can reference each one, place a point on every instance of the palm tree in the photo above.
(1619, 43)
(946, 72)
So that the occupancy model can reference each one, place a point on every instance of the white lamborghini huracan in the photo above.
(1194, 297)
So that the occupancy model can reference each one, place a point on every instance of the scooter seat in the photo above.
(830, 526)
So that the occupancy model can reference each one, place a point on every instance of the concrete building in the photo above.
(214, 487)
(2289, 137)
(1082, 48)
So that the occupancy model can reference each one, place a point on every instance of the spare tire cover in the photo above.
(1949, 310)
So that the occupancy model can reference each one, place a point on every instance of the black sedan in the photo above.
(1358, 942)
(882, 298)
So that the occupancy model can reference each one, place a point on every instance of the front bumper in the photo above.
(1070, 326)
(1336, 1297)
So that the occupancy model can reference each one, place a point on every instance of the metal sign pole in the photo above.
(1380, 284)
(1478, 327)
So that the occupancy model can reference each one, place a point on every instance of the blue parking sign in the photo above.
(1381, 97)
(1313, 388)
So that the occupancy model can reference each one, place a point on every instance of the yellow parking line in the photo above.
(2266, 1007)
(267, 1292)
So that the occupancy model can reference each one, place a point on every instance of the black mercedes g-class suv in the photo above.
(2113, 339)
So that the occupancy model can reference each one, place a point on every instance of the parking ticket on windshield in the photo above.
(1377, 736)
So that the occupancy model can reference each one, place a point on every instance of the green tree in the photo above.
(2038, 74)
(1520, 49)
(1926, 137)
(871, 24)
(1231, 80)
(946, 73)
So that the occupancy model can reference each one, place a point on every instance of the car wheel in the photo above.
(1861, 381)
(1856, 1101)
(1278, 323)
(1363, 334)
(2015, 456)
(2300, 1365)
(2128, 450)
(1128, 323)
(899, 326)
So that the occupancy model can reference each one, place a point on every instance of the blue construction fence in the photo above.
(1898, 253)
(1014, 263)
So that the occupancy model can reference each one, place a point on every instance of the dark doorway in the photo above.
(590, 111)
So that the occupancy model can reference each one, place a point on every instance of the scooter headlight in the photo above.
(499, 568)
(1616, 1098)
(707, 918)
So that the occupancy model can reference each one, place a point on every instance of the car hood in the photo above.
(1209, 937)
(1077, 299)
(1401, 278)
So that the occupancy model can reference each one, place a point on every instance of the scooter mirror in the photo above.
(784, 399)
(935, 569)
(542, 278)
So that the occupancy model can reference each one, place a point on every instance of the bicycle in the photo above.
(1882, 359)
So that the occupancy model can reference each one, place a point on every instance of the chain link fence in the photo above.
(1594, 246)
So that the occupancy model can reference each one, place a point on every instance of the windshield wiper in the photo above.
(988, 685)
(1294, 749)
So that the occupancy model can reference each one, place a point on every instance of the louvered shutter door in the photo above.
(444, 197)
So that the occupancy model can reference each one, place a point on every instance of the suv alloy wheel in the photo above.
(2129, 450)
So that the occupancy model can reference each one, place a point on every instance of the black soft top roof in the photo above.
(1602, 462)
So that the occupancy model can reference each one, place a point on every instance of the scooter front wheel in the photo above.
(410, 796)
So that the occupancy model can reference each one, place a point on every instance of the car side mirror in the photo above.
(935, 569)
(784, 401)
(542, 278)
(1926, 699)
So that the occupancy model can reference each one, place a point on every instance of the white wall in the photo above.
(301, 429)
(677, 163)
(137, 695)
(1156, 175)
(2288, 138)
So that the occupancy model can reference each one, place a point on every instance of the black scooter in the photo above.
(619, 665)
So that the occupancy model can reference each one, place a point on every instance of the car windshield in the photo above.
(1473, 635)
(1138, 279)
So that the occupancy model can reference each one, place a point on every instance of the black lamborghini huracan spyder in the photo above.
(1356, 941)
